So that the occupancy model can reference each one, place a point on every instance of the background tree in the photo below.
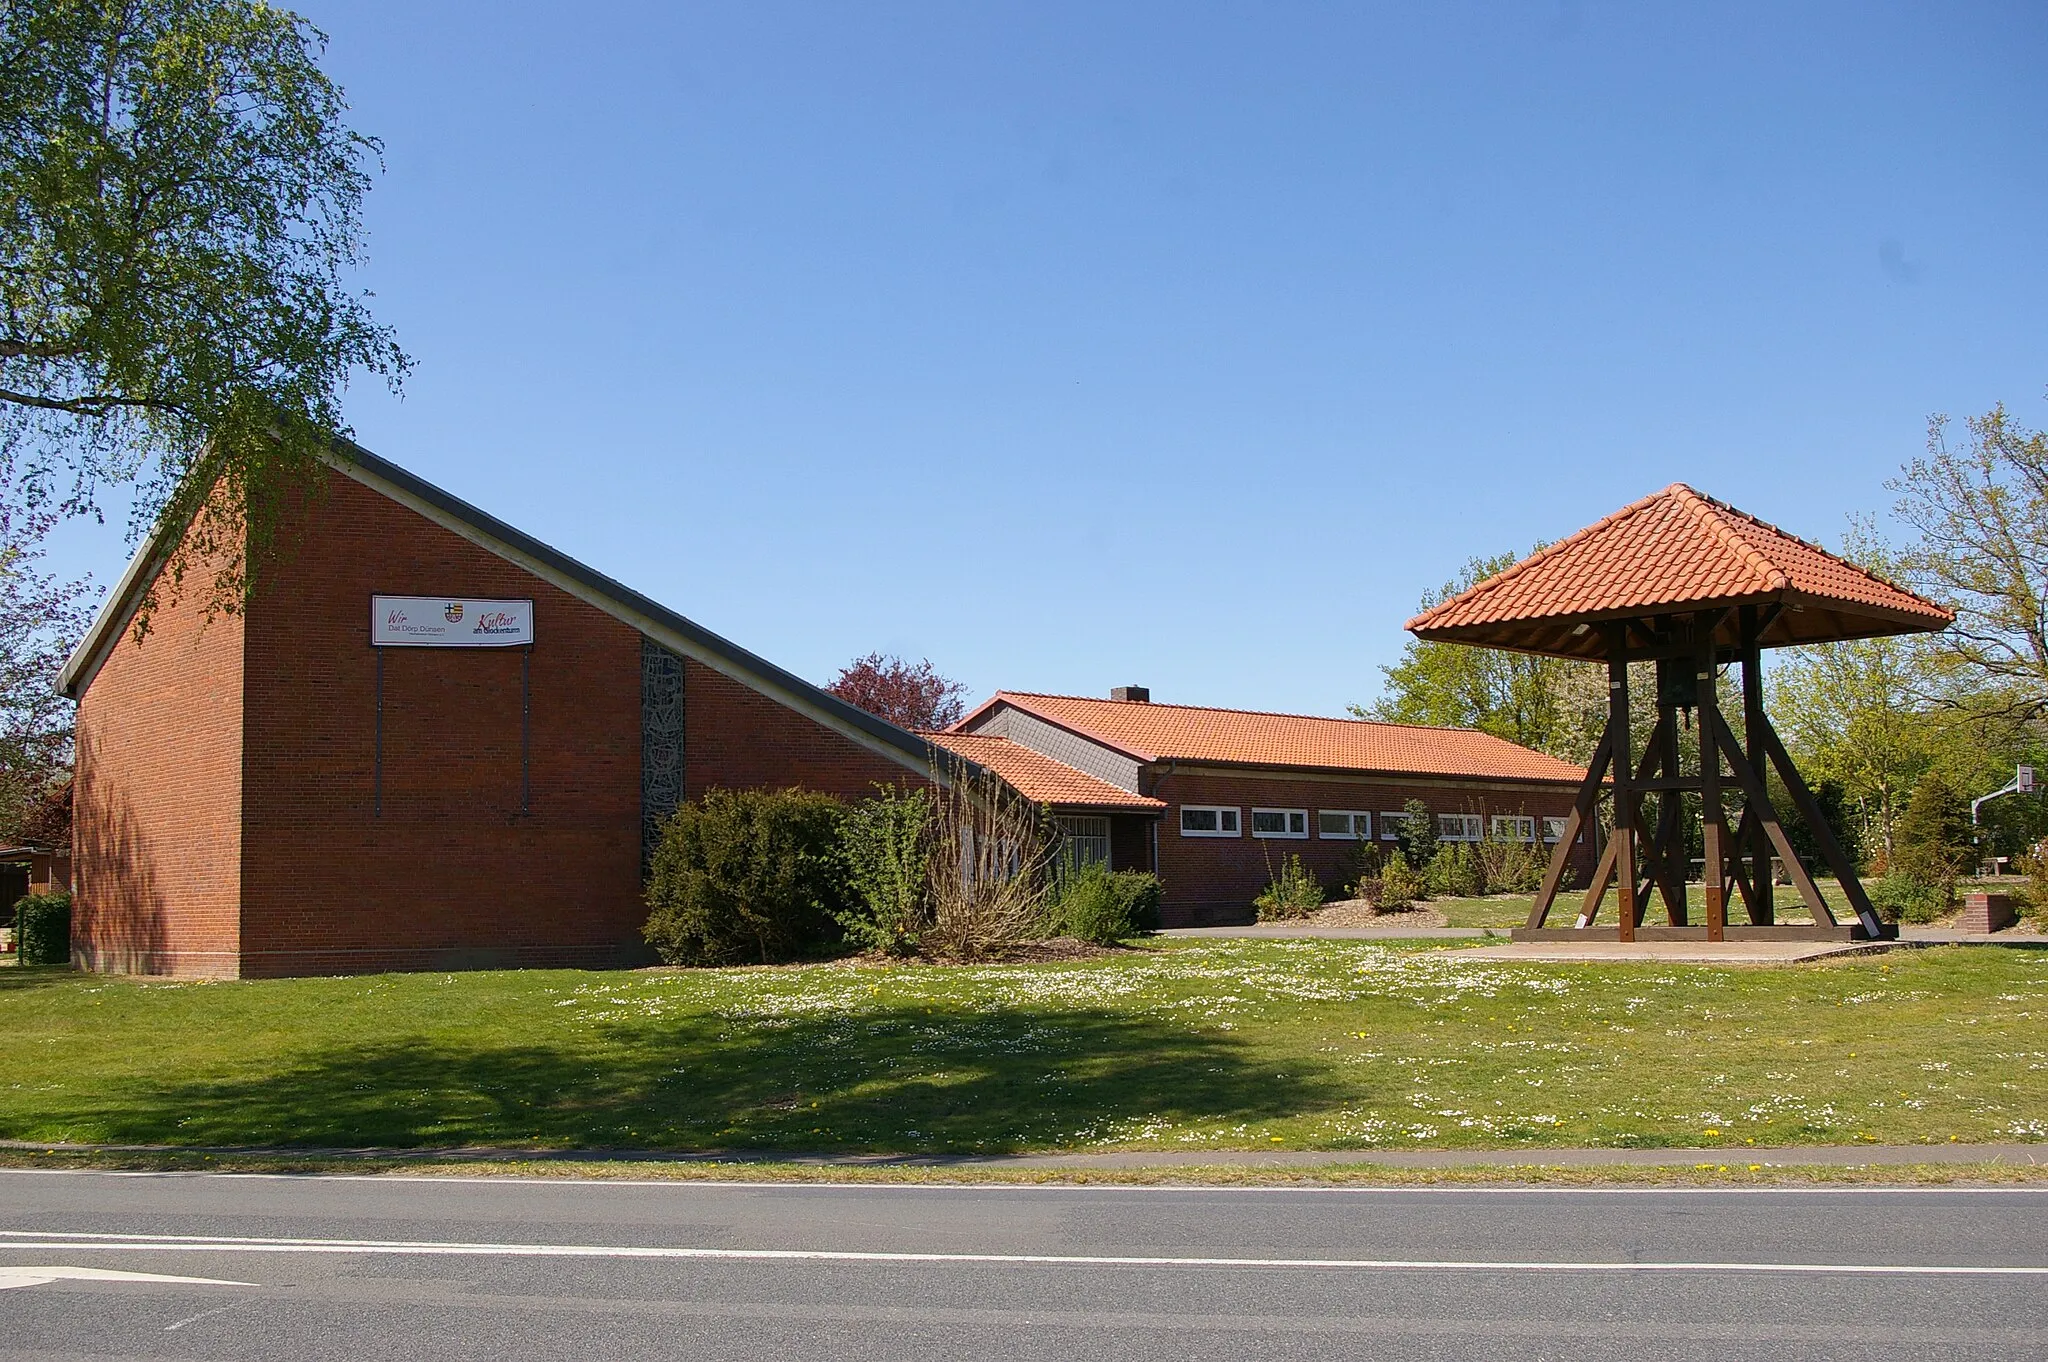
(1981, 512)
(41, 619)
(1546, 703)
(1933, 843)
(1861, 714)
(179, 213)
(909, 695)
(1516, 696)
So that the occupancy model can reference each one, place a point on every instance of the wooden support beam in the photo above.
(1714, 890)
(1753, 786)
(1680, 784)
(1669, 854)
(1761, 900)
(1823, 835)
(1583, 805)
(1746, 832)
(1596, 888)
(1624, 797)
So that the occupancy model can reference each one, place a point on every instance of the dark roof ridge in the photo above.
(348, 457)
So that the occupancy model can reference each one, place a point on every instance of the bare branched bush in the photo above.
(992, 868)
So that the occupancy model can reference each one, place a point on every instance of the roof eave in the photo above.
(1376, 772)
(496, 536)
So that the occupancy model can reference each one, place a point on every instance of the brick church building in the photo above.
(316, 786)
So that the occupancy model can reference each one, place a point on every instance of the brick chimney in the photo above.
(1136, 695)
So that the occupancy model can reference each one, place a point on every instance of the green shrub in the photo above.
(1901, 898)
(1098, 905)
(888, 847)
(42, 929)
(1293, 893)
(1362, 866)
(1455, 872)
(748, 876)
(1399, 884)
(1511, 867)
(1418, 833)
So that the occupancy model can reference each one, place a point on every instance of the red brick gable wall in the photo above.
(735, 738)
(229, 811)
(451, 873)
(157, 831)
(1214, 879)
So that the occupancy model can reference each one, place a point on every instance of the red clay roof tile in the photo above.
(1673, 551)
(1039, 778)
(1159, 732)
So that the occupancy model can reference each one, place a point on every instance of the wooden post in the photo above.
(1762, 902)
(1823, 835)
(1714, 888)
(1624, 772)
(1752, 782)
(1581, 816)
(1670, 824)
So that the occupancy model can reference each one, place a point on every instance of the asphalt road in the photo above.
(439, 1268)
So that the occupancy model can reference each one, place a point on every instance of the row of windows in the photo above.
(1352, 825)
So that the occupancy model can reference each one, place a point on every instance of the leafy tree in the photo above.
(41, 619)
(909, 695)
(1538, 702)
(179, 212)
(1832, 799)
(1857, 715)
(1932, 843)
(1981, 511)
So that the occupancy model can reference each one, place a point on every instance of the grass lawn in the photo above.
(1512, 910)
(1186, 1045)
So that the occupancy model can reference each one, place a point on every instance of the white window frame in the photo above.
(1470, 827)
(1351, 819)
(1288, 816)
(1074, 842)
(1519, 827)
(1392, 825)
(1236, 820)
(1553, 830)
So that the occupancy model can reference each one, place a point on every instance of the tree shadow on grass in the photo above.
(19, 978)
(873, 1081)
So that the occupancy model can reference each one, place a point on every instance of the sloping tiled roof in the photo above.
(1677, 550)
(654, 620)
(1038, 777)
(1154, 732)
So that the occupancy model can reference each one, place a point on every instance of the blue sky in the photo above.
(1076, 345)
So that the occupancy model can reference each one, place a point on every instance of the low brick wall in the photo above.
(1986, 913)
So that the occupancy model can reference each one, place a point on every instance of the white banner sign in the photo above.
(449, 622)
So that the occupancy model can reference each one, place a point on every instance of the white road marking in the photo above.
(197, 1243)
(194, 1319)
(12, 1276)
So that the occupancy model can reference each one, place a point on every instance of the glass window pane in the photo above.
(1198, 820)
(1229, 817)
